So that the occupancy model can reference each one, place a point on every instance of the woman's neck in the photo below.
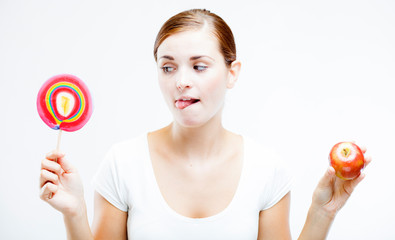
(197, 143)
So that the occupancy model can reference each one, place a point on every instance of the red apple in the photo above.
(347, 159)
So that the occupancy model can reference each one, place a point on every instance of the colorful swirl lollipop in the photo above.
(64, 103)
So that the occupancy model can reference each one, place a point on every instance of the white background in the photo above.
(314, 73)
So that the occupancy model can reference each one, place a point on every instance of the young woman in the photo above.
(192, 179)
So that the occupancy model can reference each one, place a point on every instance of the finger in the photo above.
(51, 166)
(66, 165)
(349, 188)
(328, 178)
(48, 191)
(368, 160)
(363, 149)
(358, 179)
(54, 155)
(47, 176)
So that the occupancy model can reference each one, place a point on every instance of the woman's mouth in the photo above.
(182, 103)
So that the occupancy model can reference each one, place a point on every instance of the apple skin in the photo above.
(347, 159)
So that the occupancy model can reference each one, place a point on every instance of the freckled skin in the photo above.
(347, 159)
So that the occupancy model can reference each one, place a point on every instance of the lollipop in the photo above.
(64, 103)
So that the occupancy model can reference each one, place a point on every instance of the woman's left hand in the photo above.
(332, 192)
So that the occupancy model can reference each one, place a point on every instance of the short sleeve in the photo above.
(107, 181)
(280, 183)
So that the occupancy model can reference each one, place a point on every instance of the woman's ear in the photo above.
(233, 73)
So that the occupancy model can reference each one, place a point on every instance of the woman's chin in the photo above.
(196, 119)
(189, 122)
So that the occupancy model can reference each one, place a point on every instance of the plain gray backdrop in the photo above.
(313, 73)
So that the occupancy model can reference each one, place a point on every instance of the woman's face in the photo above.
(193, 76)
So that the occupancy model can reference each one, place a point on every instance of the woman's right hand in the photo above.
(61, 185)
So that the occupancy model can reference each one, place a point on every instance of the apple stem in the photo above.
(346, 152)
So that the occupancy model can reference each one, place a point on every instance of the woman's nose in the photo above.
(183, 80)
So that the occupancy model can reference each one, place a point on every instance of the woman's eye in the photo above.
(167, 69)
(200, 67)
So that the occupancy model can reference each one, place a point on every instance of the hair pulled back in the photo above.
(196, 19)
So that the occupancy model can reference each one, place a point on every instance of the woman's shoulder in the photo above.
(267, 168)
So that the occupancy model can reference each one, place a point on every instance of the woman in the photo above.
(192, 179)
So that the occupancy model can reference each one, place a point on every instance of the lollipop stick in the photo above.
(57, 151)
(58, 144)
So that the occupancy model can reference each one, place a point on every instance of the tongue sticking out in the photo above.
(181, 104)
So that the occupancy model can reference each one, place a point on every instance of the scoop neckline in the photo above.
(173, 212)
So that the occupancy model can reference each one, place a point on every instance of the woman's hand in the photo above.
(332, 192)
(61, 185)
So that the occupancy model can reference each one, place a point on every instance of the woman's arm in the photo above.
(319, 218)
(330, 195)
(108, 222)
(274, 222)
(77, 225)
(62, 188)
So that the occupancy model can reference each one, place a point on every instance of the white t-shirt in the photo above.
(126, 179)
